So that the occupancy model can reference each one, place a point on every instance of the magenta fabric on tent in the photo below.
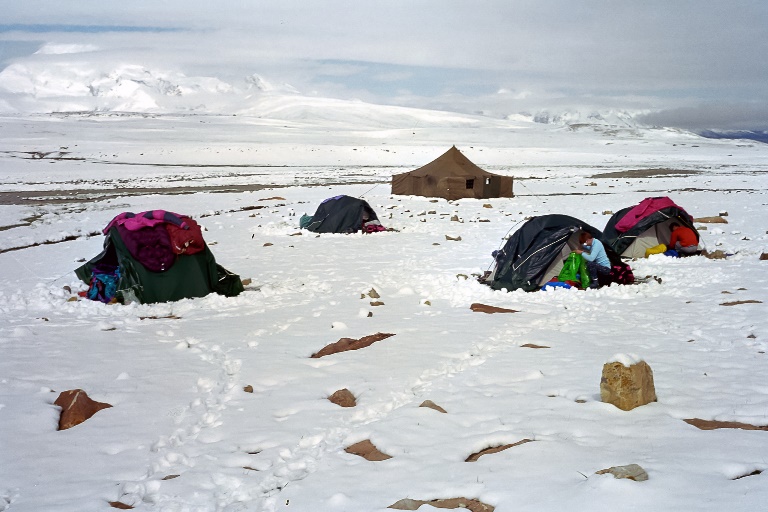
(646, 207)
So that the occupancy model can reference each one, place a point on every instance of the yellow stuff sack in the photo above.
(655, 250)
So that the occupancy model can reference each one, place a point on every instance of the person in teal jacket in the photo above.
(594, 254)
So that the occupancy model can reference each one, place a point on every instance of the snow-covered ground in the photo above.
(183, 435)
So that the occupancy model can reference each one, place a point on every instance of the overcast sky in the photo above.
(698, 63)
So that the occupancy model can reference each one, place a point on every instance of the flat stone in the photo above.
(76, 407)
(630, 472)
(485, 308)
(343, 398)
(432, 405)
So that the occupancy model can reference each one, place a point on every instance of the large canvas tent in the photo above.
(452, 176)
(188, 276)
(341, 214)
(635, 229)
(535, 253)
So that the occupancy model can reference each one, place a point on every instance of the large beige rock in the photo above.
(76, 407)
(627, 383)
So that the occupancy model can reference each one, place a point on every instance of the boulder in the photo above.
(76, 407)
(627, 385)
(343, 398)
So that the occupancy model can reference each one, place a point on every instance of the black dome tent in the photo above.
(535, 253)
(342, 214)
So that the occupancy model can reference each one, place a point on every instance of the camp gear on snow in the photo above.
(632, 230)
(305, 221)
(103, 283)
(341, 214)
(452, 176)
(536, 252)
(150, 246)
(574, 269)
(134, 221)
(186, 239)
(190, 275)
(658, 249)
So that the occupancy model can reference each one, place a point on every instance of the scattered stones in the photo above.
(627, 387)
(495, 449)
(456, 239)
(276, 198)
(711, 220)
(345, 344)
(343, 398)
(368, 451)
(630, 472)
(248, 388)
(531, 345)
(76, 407)
(737, 302)
(484, 308)
(713, 424)
(432, 405)
(451, 503)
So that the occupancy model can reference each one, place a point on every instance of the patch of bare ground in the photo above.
(345, 344)
(713, 424)
(646, 173)
(367, 450)
(495, 449)
(485, 308)
(451, 503)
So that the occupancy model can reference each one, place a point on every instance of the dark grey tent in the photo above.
(535, 253)
(452, 176)
(340, 214)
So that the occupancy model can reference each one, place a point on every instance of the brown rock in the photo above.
(454, 239)
(345, 344)
(455, 218)
(711, 220)
(484, 308)
(716, 255)
(367, 450)
(248, 388)
(737, 302)
(377, 303)
(268, 244)
(630, 472)
(120, 505)
(76, 407)
(712, 424)
(452, 503)
(343, 398)
(246, 281)
(374, 294)
(487, 205)
(495, 449)
(627, 387)
(432, 405)
(764, 256)
(532, 345)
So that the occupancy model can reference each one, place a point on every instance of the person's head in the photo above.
(674, 226)
(585, 238)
